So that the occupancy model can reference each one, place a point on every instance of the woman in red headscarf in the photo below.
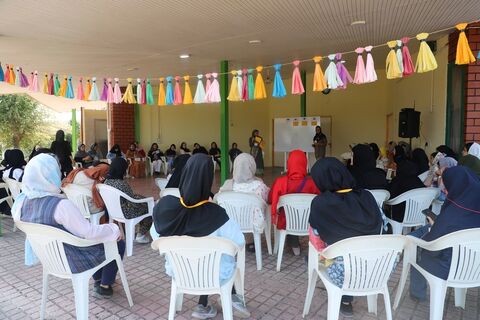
(296, 181)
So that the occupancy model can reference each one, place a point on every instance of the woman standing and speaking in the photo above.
(256, 150)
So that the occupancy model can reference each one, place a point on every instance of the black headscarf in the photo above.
(448, 151)
(178, 165)
(116, 150)
(400, 154)
(420, 158)
(118, 168)
(13, 159)
(60, 136)
(375, 149)
(471, 162)
(171, 217)
(364, 169)
(337, 216)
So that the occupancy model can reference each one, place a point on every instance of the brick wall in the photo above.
(472, 86)
(122, 125)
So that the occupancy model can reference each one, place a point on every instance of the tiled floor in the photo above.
(269, 294)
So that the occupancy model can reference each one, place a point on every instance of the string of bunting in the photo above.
(243, 86)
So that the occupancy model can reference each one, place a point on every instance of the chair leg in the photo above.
(239, 284)
(80, 288)
(372, 303)
(408, 256)
(173, 302)
(312, 280)
(460, 297)
(388, 306)
(334, 300)
(438, 289)
(129, 236)
(95, 218)
(123, 276)
(275, 240)
(397, 228)
(179, 303)
(258, 249)
(226, 297)
(44, 295)
(282, 234)
(268, 233)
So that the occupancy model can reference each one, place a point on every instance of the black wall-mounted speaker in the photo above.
(409, 123)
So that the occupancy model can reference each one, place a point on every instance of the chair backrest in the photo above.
(423, 176)
(380, 196)
(47, 243)
(297, 211)
(161, 183)
(79, 196)
(111, 197)
(195, 261)
(240, 207)
(417, 200)
(368, 260)
(14, 186)
(170, 192)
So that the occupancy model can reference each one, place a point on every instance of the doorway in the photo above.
(101, 135)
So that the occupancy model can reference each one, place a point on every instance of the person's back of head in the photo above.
(296, 165)
(118, 169)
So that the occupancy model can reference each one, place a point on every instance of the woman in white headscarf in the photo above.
(244, 180)
(474, 150)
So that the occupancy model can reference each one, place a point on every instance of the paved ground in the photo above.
(269, 294)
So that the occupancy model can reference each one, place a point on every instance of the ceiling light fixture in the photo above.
(184, 56)
(255, 41)
(357, 22)
(132, 69)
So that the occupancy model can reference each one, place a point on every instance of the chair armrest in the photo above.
(149, 201)
(435, 245)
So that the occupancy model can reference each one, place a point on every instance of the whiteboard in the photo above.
(295, 133)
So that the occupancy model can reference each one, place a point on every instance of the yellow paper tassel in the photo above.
(319, 83)
(392, 67)
(161, 92)
(464, 53)
(62, 92)
(45, 84)
(234, 95)
(128, 96)
(425, 60)
(88, 88)
(187, 97)
(260, 91)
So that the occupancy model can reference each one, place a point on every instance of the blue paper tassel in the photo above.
(278, 87)
(169, 93)
(478, 56)
(69, 94)
(2, 75)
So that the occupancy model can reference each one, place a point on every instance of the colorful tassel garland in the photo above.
(408, 67)
(177, 93)
(80, 93)
(425, 60)
(88, 89)
(342, 71)
(11, 76)
(2, 75)
(279, 90)
(233, 94)
(23, 79)
(7, 74)
(70, 94)
(34, 82)
(200, 91)
(208, 82)
(169, 99)
(370, 73)
(319, 83)
(464, 53)
(245, 85)
(117, 92)
(110, 95)
(128, 96)
(17, 77)
(259, 92)
(161, 92)
(56, 85)
(239, 83)
(297, 85)
(103, 96)
(360, 68)
(30, 81)
(144, 92)
(213, 93)
(187, 96)
(331, 74)
(62, 92)
(45, 84)
(139, 91)
(94, 95)
(251, 85)
(51, 85)
(392, 68)
(149, 94)
(398, 52)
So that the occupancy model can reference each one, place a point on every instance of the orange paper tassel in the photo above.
(88, 88)
(187, 96)
(464, 53)
(319, 83)
(161, 92)
(260, 91)
(63, 87)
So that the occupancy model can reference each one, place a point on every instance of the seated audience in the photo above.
(234, 152)
(340, 211)
(136, 161)
(41, 202)
(82, 156)
(471, 162)
(115, 152)
(88, 180)
(474, 150)
(296, 181)
(420, 158)
(447, 151)
(95, 152)
(193, 215)
(199, 149)
(460, 211)
(13, 161)
(215, 153)
(177, 167)
(115, 175)
(364, 169)
(183, 148)
(155, 157)
(443, 164)
(466, 147)
(171, 153)
(432, 177)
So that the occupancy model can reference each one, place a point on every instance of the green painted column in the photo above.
(224, 121)
(74, 130)
(137, 122)
(303, 97)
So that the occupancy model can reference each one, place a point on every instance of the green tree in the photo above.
(20, 120)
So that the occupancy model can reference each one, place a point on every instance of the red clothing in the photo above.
(291, 183)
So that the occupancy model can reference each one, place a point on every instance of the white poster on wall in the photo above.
(295, 133)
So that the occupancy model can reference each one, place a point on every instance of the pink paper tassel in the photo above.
(245, 85)
(177, 93)
(30, 82)
(117, 93)
(103, 97)
(110, 91)
(208, 82)
(408, 67)
(144, 92)
(342, 71)
(51, 86)
(360, 69)
(80, 93)
(370, 74)
(23, 79)
(213, 93)
(297, 85)
(34, 82)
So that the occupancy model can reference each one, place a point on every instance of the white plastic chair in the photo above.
(8, 198)
(80, 196)
(464, 269)
(165, 165)
(415, 200)
(112, 197)
(240, 207)
(170, 192)
(14, 186)
(297, 211)
(195, 264)
(437, 206)
(48, 244)
(380, 196)
(423, 176)
(161, 183)
(368, 263)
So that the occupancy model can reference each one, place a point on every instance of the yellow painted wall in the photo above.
(89, 117)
